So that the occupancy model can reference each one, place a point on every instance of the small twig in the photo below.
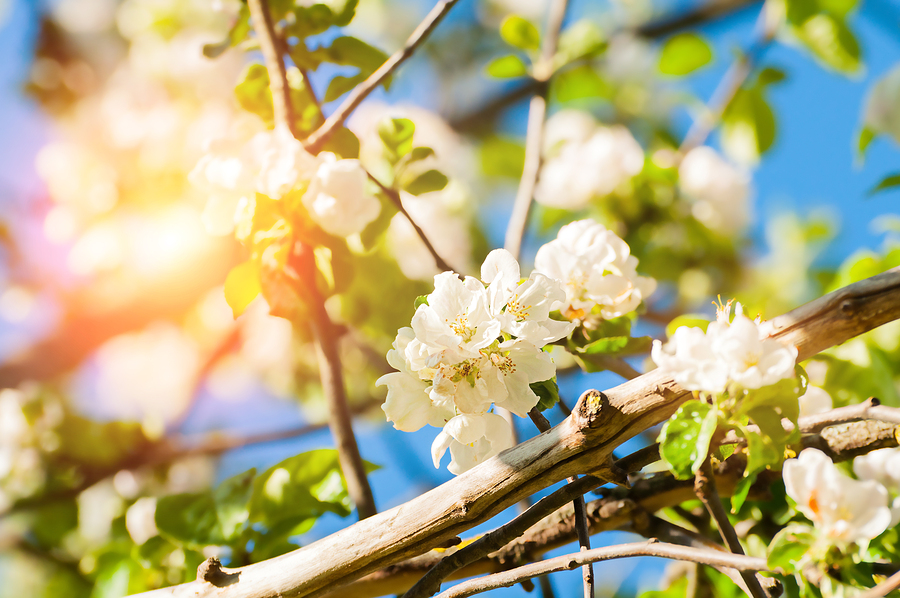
(730, 84)
(884, 588)
(705, 488)
(326, 339)
(616, 365)
(567, 562)
(581, 524)
(314, 142)
(534, 137)
(394, 196)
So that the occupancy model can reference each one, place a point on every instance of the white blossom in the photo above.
(815, 400)
(596, 268)
(882, 466)
(882, 111)
(585, 161)
(728, 352)
(473, 344)
(337, 198)
(471, 439)
(719, 190)
(844, 510)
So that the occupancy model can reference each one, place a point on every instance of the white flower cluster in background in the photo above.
(274, 163)
(730, 352)
(815, 400)
(843, 510)
(597, 270)
(583, 160)
(477, 343)
(720, 191)
(473, 344)
(882, 466)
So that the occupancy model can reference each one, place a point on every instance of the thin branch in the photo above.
(884, 588)
(567, 562)
(705, 488)
(394, 196)
(581, 526)
(324, 333)
(698, 15)
(534, 137)
(359, 93)
(616, 365)
(731, 83)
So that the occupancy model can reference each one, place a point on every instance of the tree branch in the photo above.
(359, 93)
(534, 137)
(324, 333)
(705, 489)
(884, 588)
(599, 423)
(567, 562)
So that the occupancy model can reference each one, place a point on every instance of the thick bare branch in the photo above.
(884, 588)
(359, 93)
(580, 444)
(567, 562)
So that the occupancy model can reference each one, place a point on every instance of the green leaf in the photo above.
(684, 54)
(420, 300)
(99, 444)
(189, 518)
(340, 85)
(507, 67)
(748, 125)
(520, 33)
(689, 320)
(888, 182)
(253, 93)
(238, 33)
(583, 39)
(310, 20)
(685, 437)
(547, 392)
(866, 135)
(343, 143)
(302, 486)
(617, 345)
(232, 498)
(351, 51)
(579, 83)
(242, 286)
(397, 136)
(420, 153)
(502, 157)
(789, 546)
(430, 180)
(831, 41)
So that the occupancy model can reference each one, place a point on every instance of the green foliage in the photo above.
(238, 33)
(252, 92)
(502, 157)
(748, 123)
(397, 136)
(98, 443)
(685, 437)
(547, 392)
(520, 33)
(821, 25)
(579, 83)
(683, 54)
(610, 338)
(889, 182)
(789, 547)
(430, 180)
(689, 320)
(583, 40)
(507, 67)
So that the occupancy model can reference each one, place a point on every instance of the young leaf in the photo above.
(832, 42)
(547, 392)
(888, 182)
(397, 135)
(340, 85)
(684, 54)
(689, 320)
(582, 40)
(578, 83)
(242, 286)
(520, 33)
(789, 546)
(685, 437)
(507, 67)
(430, 180)
(253, 93)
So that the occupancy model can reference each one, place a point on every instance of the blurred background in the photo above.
(127, 377)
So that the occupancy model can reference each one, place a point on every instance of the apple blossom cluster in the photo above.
(583, 160)
(843, 510)
(477, 343)
(474, 343)
(730, 352)
(597, 270)
(274, 163)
